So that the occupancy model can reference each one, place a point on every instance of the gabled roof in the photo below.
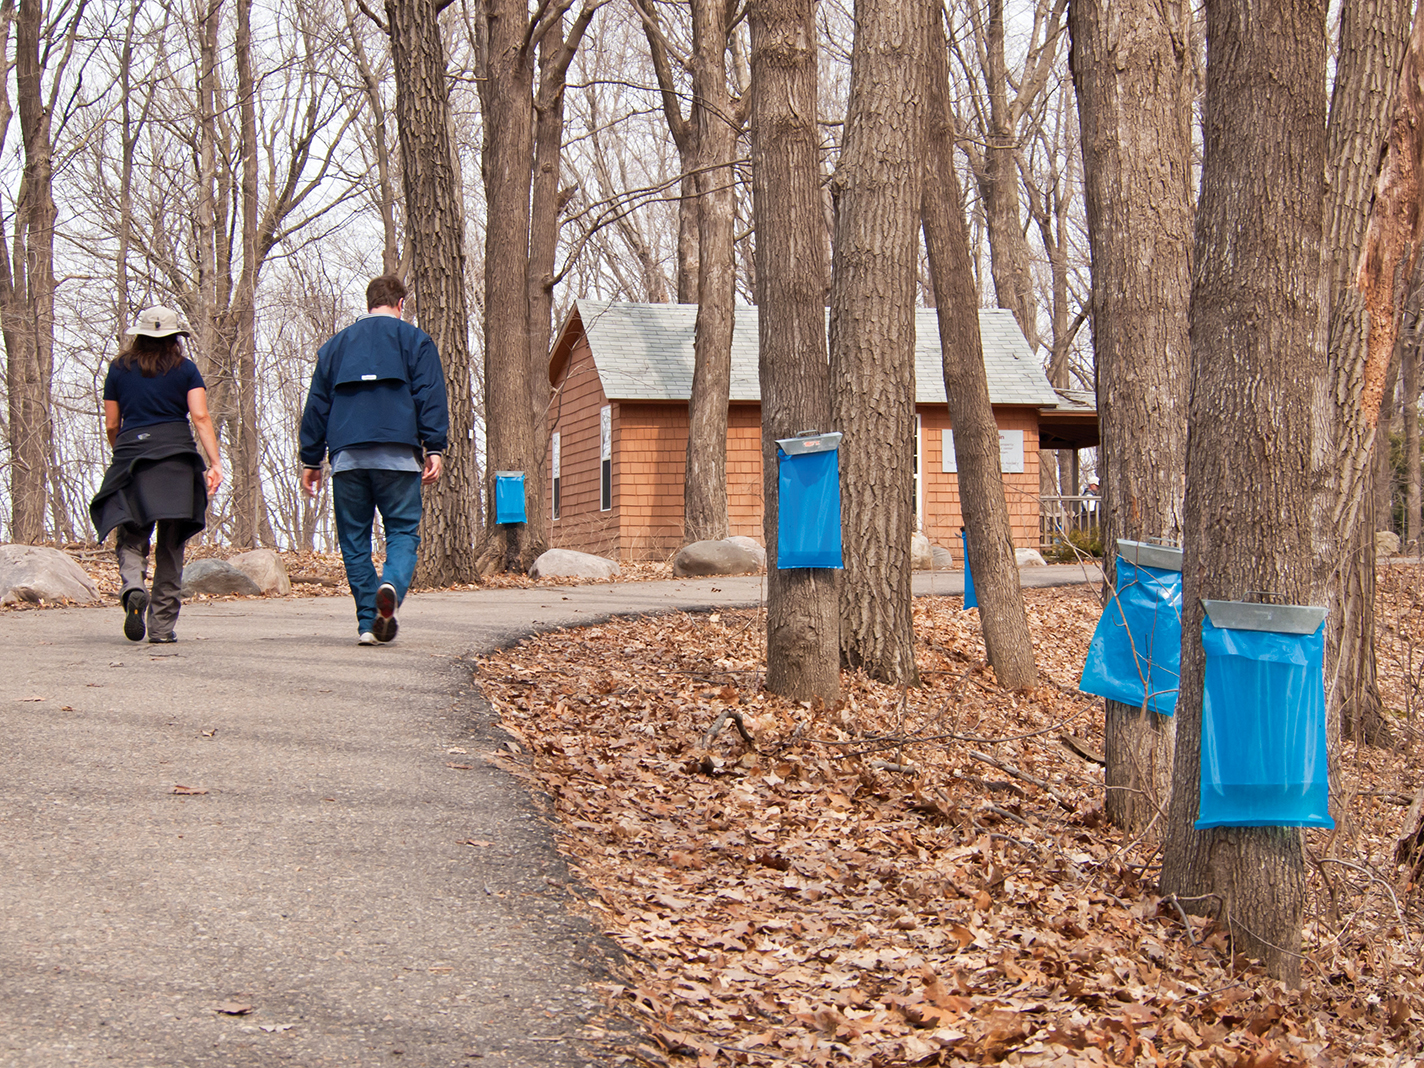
(645, 352)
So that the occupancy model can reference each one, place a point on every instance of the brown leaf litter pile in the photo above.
(925, 876)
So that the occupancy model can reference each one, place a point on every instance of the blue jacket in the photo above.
(378, 382)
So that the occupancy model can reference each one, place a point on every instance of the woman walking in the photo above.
(157, 477)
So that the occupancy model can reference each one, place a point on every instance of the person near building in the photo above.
(377, 408)
(1092, 497)
(157, 478)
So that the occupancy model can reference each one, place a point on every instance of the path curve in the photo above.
(346, 863)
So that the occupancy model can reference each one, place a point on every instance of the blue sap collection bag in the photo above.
(808, 520)
(1263, 760)
(970, 599)
(509, 497)
(1136, 653)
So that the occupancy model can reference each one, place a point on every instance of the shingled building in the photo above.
(621, 376)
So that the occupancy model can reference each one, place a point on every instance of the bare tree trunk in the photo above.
(27, 281)
(1373, 40)
(435, 229)
(1257, 394)
(548, 197)
(1129, 62)
(688, 228)
(718, 123)
(684, 133)
(518, 248)
(1409, 376)
(802, 623)
(1007, 641)
(385, 183)
(203, 311)
(1009, 259)
(246, 466)
(872, 343)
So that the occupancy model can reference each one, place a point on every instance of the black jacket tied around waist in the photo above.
(157, 473)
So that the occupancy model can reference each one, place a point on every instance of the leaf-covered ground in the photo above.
(925, 876)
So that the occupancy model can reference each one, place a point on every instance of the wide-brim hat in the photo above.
(159, 321)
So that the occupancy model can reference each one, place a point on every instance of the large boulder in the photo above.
(36, 573)
(723, 557)
(216, 578)
(942, 558)
(921, 556)
(1386, 543)
(265, 568)
(752, 546)
(569, 563)
(1029, 558)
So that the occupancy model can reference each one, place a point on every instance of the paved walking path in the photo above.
(340, 859)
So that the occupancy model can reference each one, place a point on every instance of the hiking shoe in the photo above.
(135, 608)
(385, 626)
(163, 639)
(367, 638)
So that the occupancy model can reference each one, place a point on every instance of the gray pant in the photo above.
(166, 597)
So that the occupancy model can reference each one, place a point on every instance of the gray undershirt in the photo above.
(387, 457)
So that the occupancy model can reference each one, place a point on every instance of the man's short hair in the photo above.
(386, 291)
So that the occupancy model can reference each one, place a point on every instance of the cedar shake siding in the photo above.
(636, 359)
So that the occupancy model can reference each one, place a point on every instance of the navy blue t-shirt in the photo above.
(147, 401)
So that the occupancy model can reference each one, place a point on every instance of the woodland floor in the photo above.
(925, 876)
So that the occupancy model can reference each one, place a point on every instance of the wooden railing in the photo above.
(1058, 517)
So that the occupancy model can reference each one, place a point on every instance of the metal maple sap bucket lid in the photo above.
(1251, 615)
(809, 443)
(1148, 554)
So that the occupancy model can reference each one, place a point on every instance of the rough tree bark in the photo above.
(1007, 641)
(385, 194)
(1130, 66)
(874, 266)
(515, 42)
(1373, 39)
(706, 141)
(1009, 260)
(802, 622)
(1257, 395)
(718, 118)
(246, 504)
(994, 152)
(27, 280)
(1409, 390)
(435, 233)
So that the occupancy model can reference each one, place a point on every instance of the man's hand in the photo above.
(311, 480)
(433, 466)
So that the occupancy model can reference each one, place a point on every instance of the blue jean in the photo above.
(356, 496)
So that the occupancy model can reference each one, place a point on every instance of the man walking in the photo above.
(377, 405)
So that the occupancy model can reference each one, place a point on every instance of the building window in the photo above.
(554, 454)
(919, 482)
(605, 458)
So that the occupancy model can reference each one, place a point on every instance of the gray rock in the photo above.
(265, 568)
(36, 573)
(1029, 558)
(943, 559)
(713, 558)
(1386, 543)
(752, 546)
(216, 577)
(921, 557)
(569, 563)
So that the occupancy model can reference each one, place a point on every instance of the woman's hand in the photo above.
(213, 476)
